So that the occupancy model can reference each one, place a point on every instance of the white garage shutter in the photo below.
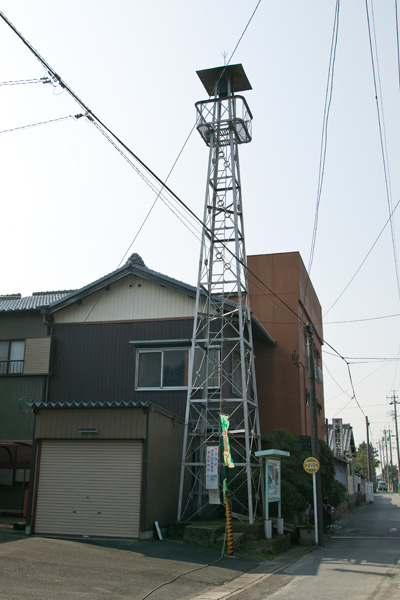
(89, 488)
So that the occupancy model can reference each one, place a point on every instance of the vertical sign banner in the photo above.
(337, 437)
(369, 491)
(212, 480)
(274, 480)
(228, 462)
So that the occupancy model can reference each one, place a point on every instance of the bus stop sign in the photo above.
(311, 465)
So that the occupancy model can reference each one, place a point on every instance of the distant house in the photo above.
(25, 345)
(341, 442)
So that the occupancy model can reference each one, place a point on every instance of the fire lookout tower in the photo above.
(221, 377)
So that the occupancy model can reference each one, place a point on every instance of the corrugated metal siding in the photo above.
(111, 423)
(98, 362)
(37, 356)
(22, 475)
(16, 423)
(89, 488)
(163, 468)
(20, 326)
(172, 401)
(130, 298)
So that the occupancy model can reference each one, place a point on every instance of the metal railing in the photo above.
(233, 114)
(11, 367)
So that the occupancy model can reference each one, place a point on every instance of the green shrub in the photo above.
(296, 484)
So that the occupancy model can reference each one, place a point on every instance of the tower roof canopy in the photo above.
(210, 77)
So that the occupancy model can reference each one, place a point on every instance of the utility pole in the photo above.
(391, 459)
(387, 456)
(368, 450)
(395, 403)
(314, 429)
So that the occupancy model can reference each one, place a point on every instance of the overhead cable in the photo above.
(324, 135)
(324, 139)
(26, 81)
(389, 220)
(361, 320)
(397, 39)
(185, 143)
(51, 121)
(92, 117)
(382, 136)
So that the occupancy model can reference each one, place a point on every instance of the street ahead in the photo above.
(360, 561)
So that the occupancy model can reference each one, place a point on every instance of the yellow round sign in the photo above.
(311, 465)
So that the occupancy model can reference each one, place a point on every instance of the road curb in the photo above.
(252, 578)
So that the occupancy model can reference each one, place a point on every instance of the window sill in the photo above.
(161, 389)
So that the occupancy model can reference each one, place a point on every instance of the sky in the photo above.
(73, 209)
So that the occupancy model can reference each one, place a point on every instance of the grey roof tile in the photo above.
(98, 404)
(34, 302)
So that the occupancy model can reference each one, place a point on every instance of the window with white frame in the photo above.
(168, 368)
(162, 368)
(12, 357)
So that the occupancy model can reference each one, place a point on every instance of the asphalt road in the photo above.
(360, 561)
(39, 568)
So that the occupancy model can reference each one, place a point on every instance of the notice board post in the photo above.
(272, 461)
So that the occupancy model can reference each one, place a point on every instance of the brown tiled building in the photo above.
(282, 298)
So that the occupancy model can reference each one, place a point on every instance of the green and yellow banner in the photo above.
(228, 462)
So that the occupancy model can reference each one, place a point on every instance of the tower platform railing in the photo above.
(221, 116)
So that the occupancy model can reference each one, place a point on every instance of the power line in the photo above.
(102, 127)
(338, 322)
(158, 196)
(244, 31)
(363, 261)
(382, 136)
(51, 121)
(89, 113)
(358, 382)
(115, 139)
(355, 360)
(92, 117)
(324, 135)
(110, 136)
(324, 138)
(361, 320)
(184, 145)
(397, 40)
(26, 81)
(339, 386)
(159, 192)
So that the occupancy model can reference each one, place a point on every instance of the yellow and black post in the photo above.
(228, 514)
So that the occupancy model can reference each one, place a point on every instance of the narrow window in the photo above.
(4, 347)
(17, 357)
(12, 357)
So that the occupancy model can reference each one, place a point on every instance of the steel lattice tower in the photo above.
(221, 364)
